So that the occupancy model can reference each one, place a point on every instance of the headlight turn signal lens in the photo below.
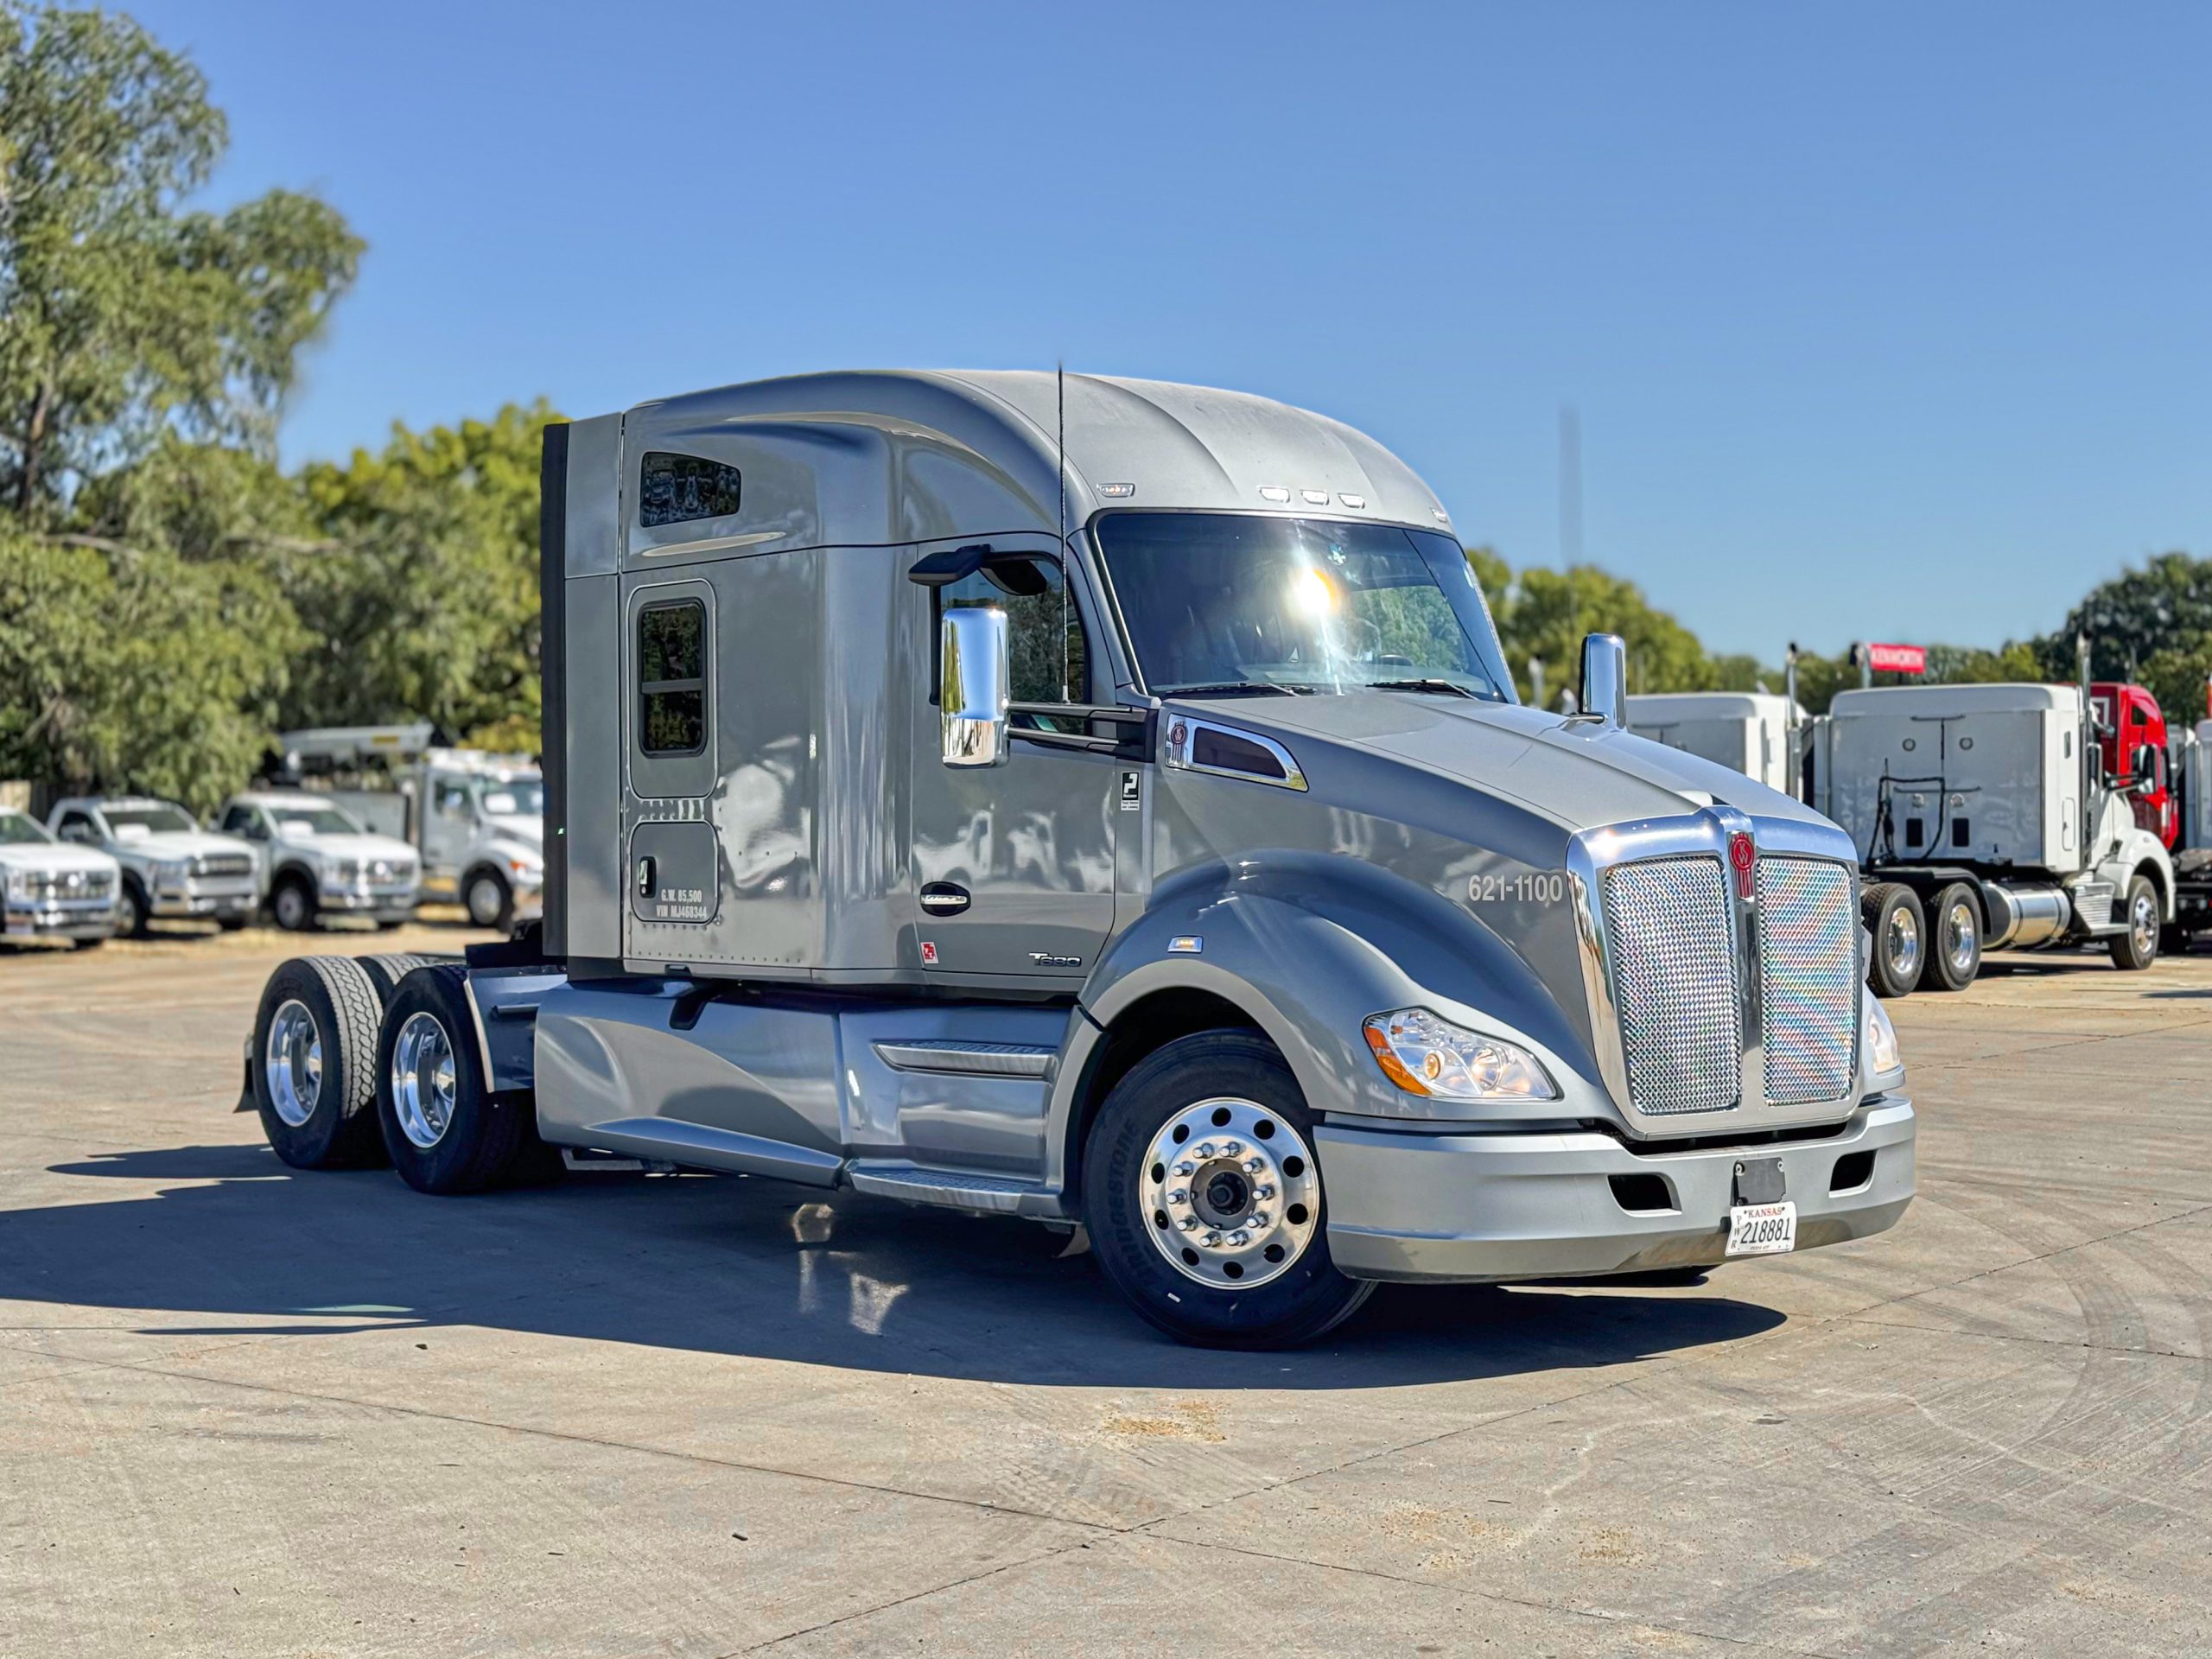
(1424, 1055)
(1883, 1057)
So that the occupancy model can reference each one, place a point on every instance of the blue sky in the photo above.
(1882, 322)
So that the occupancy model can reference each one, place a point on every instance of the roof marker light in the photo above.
(1315, 497)
(1273, 493)
(1117, 492)
(1356, 501)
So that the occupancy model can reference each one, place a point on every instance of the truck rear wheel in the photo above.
(2137, 948)
(1900, 939)
(314, 1044)
(1202, 1198)
(1953, 946)
(445, 1131)
(386, 971)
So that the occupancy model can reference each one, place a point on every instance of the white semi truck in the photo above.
(476, 819)
(1982, 814)
(1760, 734)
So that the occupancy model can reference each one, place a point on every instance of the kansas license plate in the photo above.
(1762, 1229)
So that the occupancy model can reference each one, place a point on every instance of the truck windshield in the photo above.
(19, 829)
(1223, 603)
(161, 819)
(294, 819)
(523, 797)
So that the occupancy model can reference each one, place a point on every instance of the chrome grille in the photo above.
(71, 884)
(222, 864)
(1672, 936)
(1809, 958)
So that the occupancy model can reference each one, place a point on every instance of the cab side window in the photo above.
(77, 826)
(239, 820)
(679, 489)
(672, 678)
(453, 800)
(1050, 657)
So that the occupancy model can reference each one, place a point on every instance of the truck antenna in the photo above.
(1060, 477)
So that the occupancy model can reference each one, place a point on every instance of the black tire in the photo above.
(1298, 1306)
(1894, 917)
(386, 971)
(132, 913)
(232, 924)
(291, 903)
(1953, 946)
(338, 1130)
(2137, 948)
(489, 898)
(483, 1138)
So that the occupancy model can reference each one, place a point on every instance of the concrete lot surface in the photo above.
(246, 1412)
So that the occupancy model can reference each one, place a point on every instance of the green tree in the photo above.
(1544, 614)
(420, 582)
(2153, 626)
(146, 350)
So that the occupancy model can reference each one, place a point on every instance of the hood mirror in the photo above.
(972, 677)
(1604, 698)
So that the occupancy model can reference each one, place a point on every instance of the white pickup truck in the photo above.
(54, 892)
(173, 870)
(318, 859)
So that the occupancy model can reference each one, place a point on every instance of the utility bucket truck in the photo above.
(476, 819)
(1105, 804)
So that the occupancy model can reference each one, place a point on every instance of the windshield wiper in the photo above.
(1238, 687)
(1450, 686)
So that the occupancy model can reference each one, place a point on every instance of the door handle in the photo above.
(645, 878)
(944, 898)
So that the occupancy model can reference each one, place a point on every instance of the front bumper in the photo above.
(1429, 1207)
(384, 904)
(63, 919)
(198, 900)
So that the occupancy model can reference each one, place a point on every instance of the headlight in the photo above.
(19, 884)
(1884, 1062)
(1424, 1055)
(343, 869)
(169, 871)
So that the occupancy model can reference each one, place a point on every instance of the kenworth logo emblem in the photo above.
(1740, 858)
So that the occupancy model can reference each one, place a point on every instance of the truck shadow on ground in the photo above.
(728, 1265)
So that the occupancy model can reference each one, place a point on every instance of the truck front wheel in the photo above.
(1202, 1198)
(2137, 948)
(293, 904)
(1900, 930)
(445, 1131)
(489, 900)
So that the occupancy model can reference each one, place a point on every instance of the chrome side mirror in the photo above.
(1605, 679)
(972, 686)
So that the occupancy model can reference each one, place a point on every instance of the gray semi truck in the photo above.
(1104, 803)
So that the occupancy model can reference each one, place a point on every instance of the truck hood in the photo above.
(358, 847)
(1575, 773)
(170, 844)
(39, 856)
(518, 826)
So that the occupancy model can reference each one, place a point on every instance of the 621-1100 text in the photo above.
(1530, 888)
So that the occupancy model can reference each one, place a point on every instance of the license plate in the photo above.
(1762, 1229)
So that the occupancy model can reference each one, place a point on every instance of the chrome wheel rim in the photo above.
(1961, 934)
(1229, 1192)
(293, 1064)
(291, 909)
(1902, 939)
(423, 1080)
(2142, 922)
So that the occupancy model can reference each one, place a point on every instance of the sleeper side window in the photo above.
(1050, 658)
(672, 678)
(678, 489)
